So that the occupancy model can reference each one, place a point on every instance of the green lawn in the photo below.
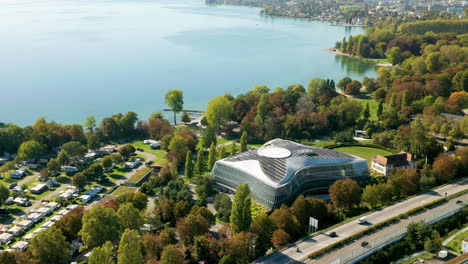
(426, 256)
(159, 153)
(122, 189)
(322, 143)
(455, 244)
(363, 152)
(137, 176)
(373, 105)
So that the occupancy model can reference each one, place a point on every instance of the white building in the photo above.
(5, 238)
(385, 164)
(464, 248)
(16, 230)
(20, 245)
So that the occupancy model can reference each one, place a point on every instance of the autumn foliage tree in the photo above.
(345, 194)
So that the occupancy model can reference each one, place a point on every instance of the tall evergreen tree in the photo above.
(366, 112)
(189, 165)
(241, 216)
(243, 141)
(200, 163)
(405, 99)
(393, 102)
(379, 109)
(222, 153)
(212, 156)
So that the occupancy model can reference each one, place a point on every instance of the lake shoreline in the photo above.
(377, 63)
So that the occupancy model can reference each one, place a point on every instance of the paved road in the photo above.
(356, 245)
(312, 244)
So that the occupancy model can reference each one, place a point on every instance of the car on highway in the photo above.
(332, 234)
(460, 202)
(364, 244)
(362, 220)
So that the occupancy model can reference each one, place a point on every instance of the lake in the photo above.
(67, 59)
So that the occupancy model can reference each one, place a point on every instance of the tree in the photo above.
(366, 112)
(263, 227)
(212, 156)
(394, 56)
(53, 165)
(129, 217)
(185, 117)
(63, 158)
(100, 224)
(379, 109)
(304, 208)
(93, 141)
(181, 209)
(31, 150)
(4, 194)
(172, 255)
(218, 111)
(50, 247)
(102, 255)
(130, 248)
(205, 248)
(443, 168)
(90, 124)
(226, 260)
(175, 101)
(433, 61)
(7, 257)
(71, 223)
(280, 238)
(73, 149)
(223, 206)
(200, 163)
(353, 88)
(428, 244)
(107, 162)
(126, 151)
(79, 180)
(243, 141)
(189, 167)
(240, 214)
(343, 83)
(405, 101)
(138, 199)
(345, 193)
(406, 181)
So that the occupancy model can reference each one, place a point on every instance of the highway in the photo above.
(312, 244)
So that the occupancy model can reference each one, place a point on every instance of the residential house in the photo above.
(385, 164)
(35, 217)
(29, 236)
(45, 210)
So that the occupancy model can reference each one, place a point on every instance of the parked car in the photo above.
(332, 234)
(12, 185)
(140, 149)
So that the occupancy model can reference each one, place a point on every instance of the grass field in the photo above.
(159, 153)
(372, 107)
(363, 152)
(455, 244)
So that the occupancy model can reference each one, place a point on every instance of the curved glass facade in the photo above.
(304, 179)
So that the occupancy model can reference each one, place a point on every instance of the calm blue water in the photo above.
(67, 59)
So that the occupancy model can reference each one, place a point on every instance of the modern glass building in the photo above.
(281, 170)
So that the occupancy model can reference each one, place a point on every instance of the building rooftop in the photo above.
(398, 160)
(277, 160)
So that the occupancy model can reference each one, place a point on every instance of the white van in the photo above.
(362, 220)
